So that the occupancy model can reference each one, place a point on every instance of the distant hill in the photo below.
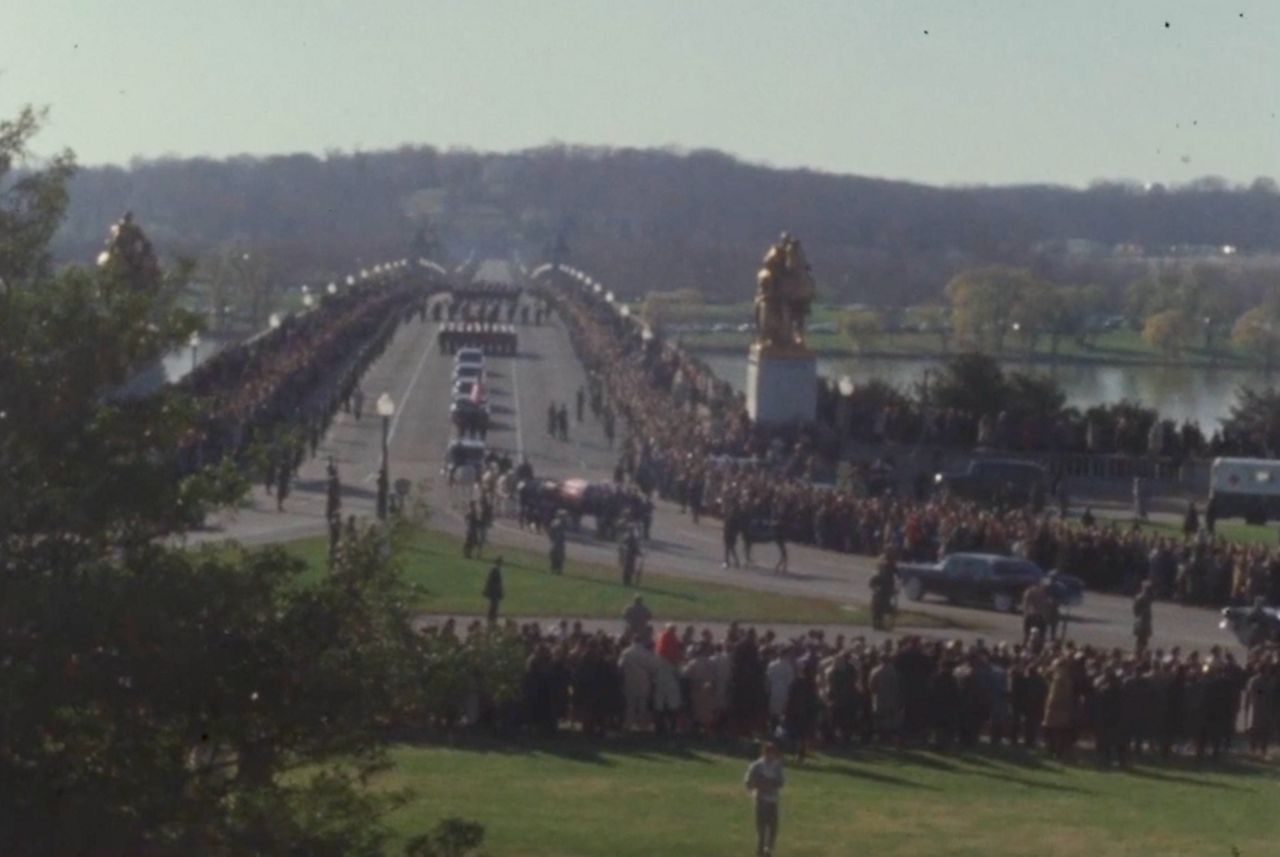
(649, 219)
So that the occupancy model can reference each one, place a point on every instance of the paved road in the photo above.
(520, 389)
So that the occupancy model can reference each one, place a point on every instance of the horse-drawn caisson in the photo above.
(609, 504)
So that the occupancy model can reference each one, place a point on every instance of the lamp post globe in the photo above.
(386, 408)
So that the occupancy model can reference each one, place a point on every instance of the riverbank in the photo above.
(1119, 351)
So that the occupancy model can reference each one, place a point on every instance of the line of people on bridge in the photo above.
(271, 398)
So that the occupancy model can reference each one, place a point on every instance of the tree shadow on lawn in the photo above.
(988, 763)
(863, 773)
(576, 747)
(1180, 771)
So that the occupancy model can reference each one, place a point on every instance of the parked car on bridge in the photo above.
(989, 480)
(992, 579)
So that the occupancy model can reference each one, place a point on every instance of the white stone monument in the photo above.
(782, 373)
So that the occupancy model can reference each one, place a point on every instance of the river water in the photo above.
(1179, 392)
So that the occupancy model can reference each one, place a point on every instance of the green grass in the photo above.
(451, 585)
(1232, 531)
(575, 797)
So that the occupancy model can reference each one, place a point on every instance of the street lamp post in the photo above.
(386, 409)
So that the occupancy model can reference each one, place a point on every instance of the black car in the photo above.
(979, 578)
(990, 480)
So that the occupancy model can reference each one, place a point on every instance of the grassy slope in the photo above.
(629, 798)
(453, 584)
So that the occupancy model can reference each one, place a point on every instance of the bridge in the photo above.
(418, 379)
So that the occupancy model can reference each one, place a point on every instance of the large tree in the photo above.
(154, 698)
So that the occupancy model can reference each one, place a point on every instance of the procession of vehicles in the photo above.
(989, 579)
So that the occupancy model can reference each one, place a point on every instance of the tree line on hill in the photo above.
(646, 219)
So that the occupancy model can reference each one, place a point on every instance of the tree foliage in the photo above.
(1255, 417)
(1169, 331)
(862, 327)
(1258, 330)
(32, 201)
(987, 302)
(154, 698)
(976, 384)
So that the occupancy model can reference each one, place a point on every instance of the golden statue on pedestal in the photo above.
(784, 291)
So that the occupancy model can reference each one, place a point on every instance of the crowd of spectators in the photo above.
(279, 390)
(815, 690)
(690, 439)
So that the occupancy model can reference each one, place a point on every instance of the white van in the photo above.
(1246, 488)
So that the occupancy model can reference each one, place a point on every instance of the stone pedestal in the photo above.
(782, 387)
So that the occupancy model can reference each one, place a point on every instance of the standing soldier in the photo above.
(551, 419)
(493, 592)
(357, 402)
(628, 555)
(564, 422)
(556, 531)
(1142, 619)
(472, 542)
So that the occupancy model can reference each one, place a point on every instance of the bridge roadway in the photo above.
(520, 389)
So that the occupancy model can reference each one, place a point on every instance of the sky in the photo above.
(958, 92)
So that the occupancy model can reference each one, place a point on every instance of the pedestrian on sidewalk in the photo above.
(357, 402)
(493, 591)
(765, 779)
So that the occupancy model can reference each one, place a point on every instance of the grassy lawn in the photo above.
(451, 584)
(575, 798)
(1232, 531)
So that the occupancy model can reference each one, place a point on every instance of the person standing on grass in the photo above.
(765, 779)
(493, 592)
(471, 544)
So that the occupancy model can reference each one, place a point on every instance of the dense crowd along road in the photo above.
(546, 371)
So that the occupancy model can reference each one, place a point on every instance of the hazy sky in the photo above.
(943, 92)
